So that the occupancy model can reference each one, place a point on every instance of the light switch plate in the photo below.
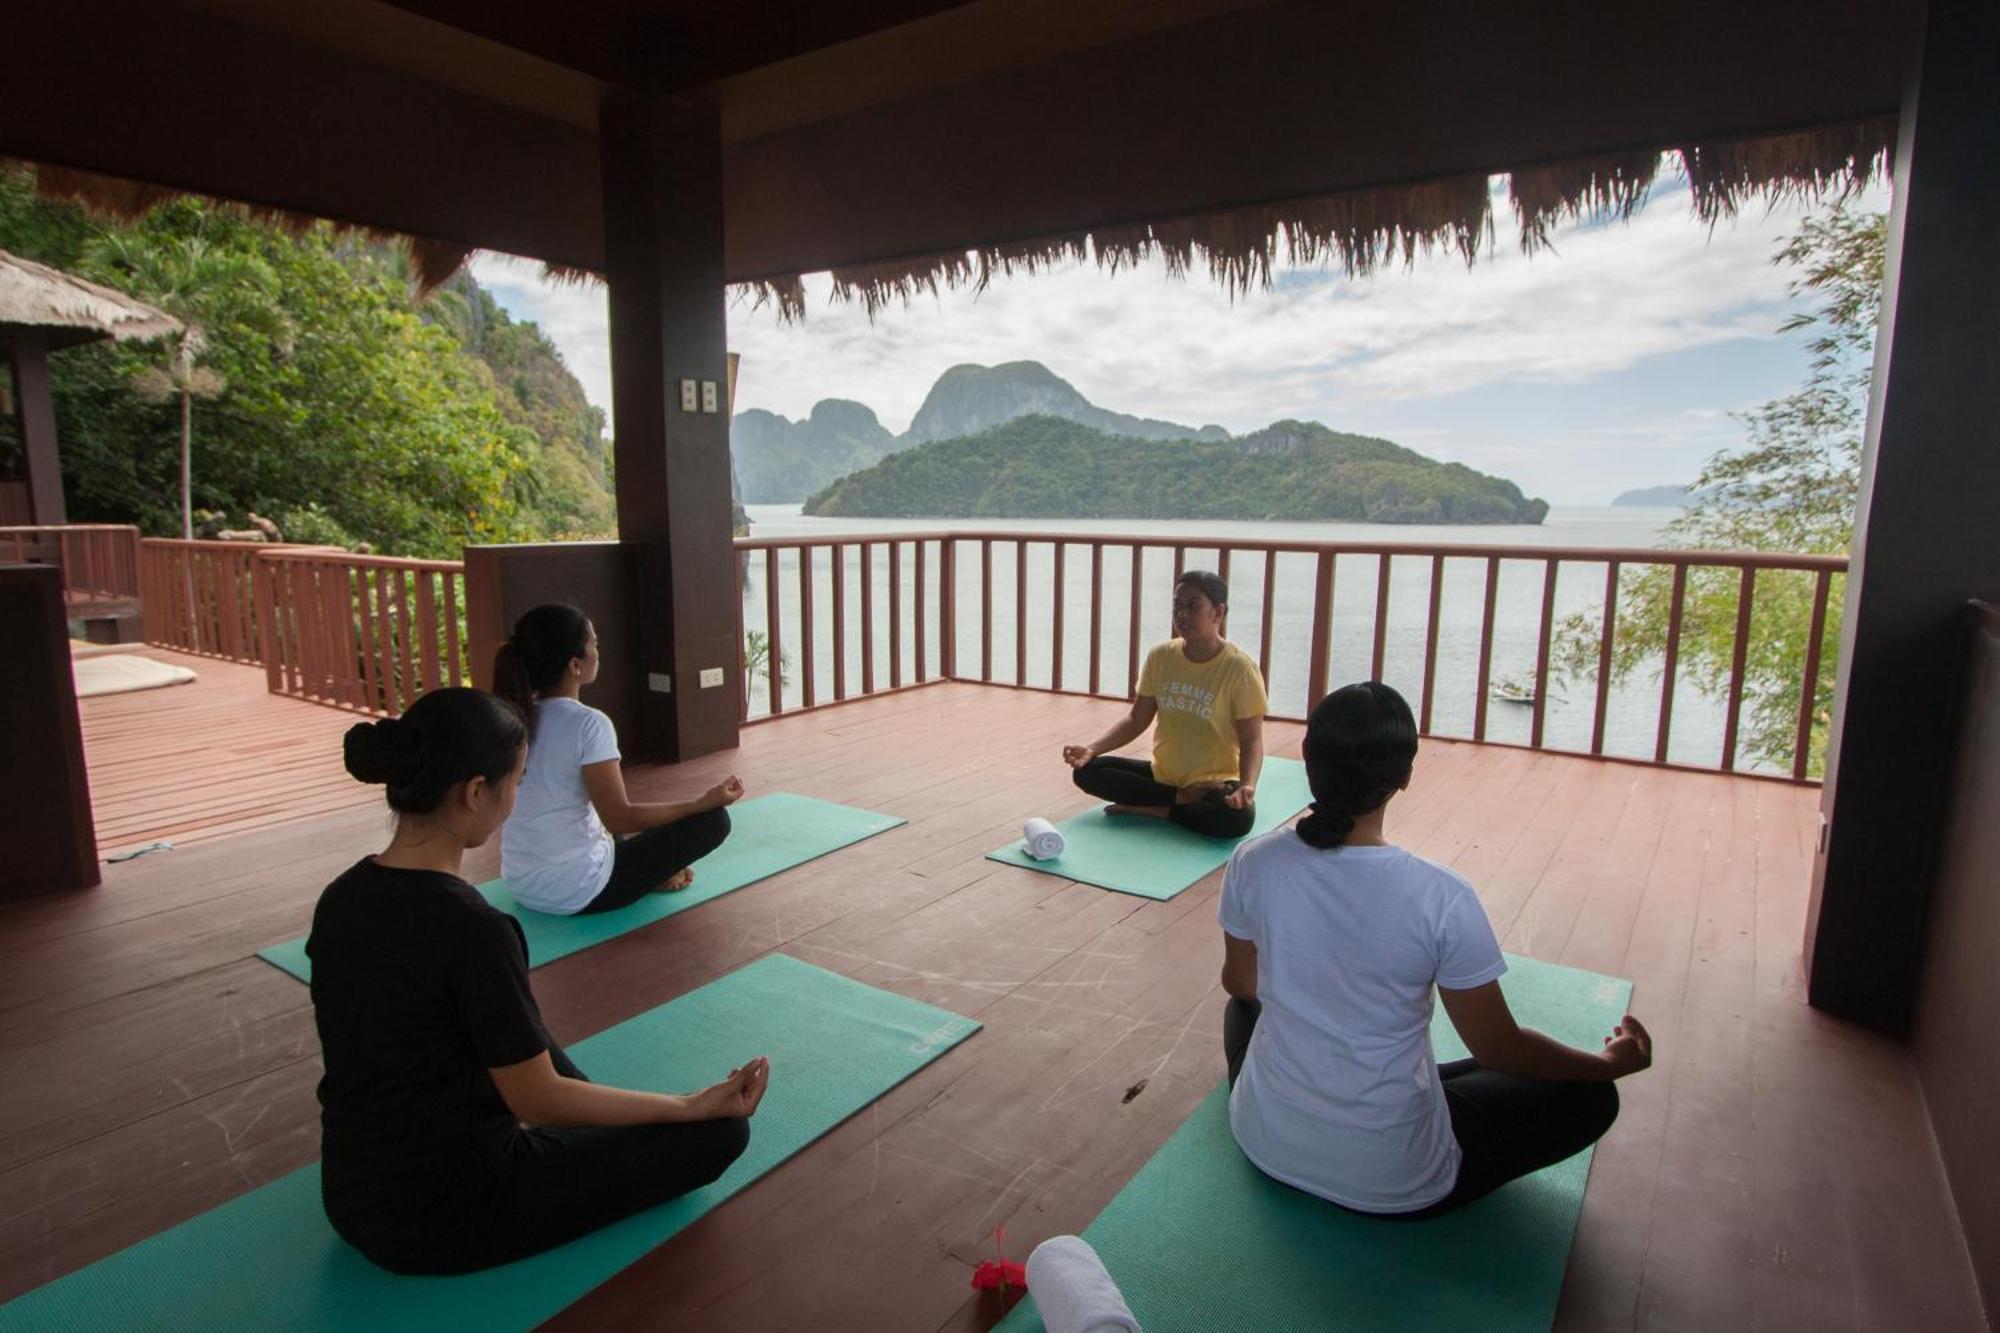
(688, 398)
(661, 681)
(709, 401)
(711, 677)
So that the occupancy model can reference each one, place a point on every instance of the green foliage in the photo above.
(1050, 467)
(1791, 487)
(311, 525)
(338, 400)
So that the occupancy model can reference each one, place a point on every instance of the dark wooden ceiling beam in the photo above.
(1269, 102)
(190, 99)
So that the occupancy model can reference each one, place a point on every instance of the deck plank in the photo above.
(156, 1068)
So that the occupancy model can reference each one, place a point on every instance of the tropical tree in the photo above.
(205, 287)
(1790, 487)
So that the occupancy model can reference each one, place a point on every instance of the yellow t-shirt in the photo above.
(1199, 705)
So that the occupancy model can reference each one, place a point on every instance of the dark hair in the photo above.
(1208, 585)
(545, 641)
(449, 736)
(1360, 743)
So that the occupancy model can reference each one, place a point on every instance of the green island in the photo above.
(1048, 467)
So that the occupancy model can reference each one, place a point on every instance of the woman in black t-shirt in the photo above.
(457, 1135)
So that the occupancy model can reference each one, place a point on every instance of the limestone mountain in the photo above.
(782, 461)
(969, 399)
(1049, 467)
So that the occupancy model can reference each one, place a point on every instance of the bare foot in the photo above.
(681, 879)
(1149, 811)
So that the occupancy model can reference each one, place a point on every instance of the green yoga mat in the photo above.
(268, 1260)
(767, 834)
(1201, 1240)
(1151, 857)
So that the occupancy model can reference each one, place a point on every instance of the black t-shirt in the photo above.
(419, 986)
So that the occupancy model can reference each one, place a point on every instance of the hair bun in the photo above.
(388, 751)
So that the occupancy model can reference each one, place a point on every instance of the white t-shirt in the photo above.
(554, 852)
(1339, 1094)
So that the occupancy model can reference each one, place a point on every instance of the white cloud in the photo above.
(1397, 347)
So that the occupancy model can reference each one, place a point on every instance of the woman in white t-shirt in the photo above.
(1333, 943)
(558, 852)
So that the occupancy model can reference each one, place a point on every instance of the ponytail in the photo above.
(1361, 742)
(449, 736)
(510, 682)
(545, 641)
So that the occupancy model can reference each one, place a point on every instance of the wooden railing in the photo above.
(369, 633)
(199, 597)
(845, 617)
(99, 561)
(878, 649)
(356, 631)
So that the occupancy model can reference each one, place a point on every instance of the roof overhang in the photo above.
(881, 131)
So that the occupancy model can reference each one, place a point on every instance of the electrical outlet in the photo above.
(711, 677)
(688, 398)
(709, 401)
(660, 681)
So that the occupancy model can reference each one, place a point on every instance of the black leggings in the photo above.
(645, 861)
(1131, 782)
(1506, 1126)
(555, 1185)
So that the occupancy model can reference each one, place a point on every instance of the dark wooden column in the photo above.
(45, 817)
(1927, 535)
(663, 244)
(34, 407)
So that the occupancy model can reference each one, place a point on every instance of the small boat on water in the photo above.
(1511, 691)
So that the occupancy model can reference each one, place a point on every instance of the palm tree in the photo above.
(203, 287)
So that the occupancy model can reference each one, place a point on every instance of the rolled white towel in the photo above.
(1072, 1291)
(1042, 840)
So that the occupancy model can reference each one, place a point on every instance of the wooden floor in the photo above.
(215, 757)
(1773, 1171)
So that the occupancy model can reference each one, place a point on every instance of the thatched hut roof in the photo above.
(71, 310)
(1362, 229)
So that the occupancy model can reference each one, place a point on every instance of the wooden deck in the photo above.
(215, 757)
(1773, 1171)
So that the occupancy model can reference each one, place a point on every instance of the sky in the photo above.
(1612, 361)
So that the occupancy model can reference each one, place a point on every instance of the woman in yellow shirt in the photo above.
(1209, 698)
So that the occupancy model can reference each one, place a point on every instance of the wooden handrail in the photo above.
(1390, 634)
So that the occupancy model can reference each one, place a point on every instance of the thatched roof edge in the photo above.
(433, 261)
(1357, 229)
(1360, 230)
(38, 296)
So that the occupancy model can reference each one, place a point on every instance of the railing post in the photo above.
(1096, 613)
(1673, 657)
(1322, 629)
(1381, 616)
(1745, 595)
(1544, 644)
(806, 653)
(1604, 652)
(1809, 680)
(1431, 643)
(1132, 658)
(838, 578)
(1056, 634)
(267, 635)
(1486, 648)
(948, 607)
